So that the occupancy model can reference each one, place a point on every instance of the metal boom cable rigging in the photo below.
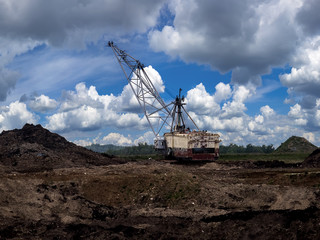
(157, 112)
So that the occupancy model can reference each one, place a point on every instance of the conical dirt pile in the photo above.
(34, 148)
(296, 144)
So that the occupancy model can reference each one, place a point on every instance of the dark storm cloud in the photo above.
(8, 80)
(309, 17)
(308, 102)
(54, 21)
(59, 23)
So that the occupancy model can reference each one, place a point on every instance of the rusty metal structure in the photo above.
(180, 142)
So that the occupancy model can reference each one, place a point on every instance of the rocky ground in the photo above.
(152, 199)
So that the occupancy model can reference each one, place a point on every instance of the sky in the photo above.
(249, 70)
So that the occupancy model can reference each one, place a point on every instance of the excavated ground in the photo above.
(161, 200)
(53, 189)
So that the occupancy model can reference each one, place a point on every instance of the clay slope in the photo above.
(34, 148)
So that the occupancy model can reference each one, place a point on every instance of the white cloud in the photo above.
(267, 111)
(128, 101)
(236, 126)
(301, 121)
(256, 126)
(223, 92)
(116, 139)
(15, 116)
(83, 96)
(295, 111)
(85, 109)
(42, 104)
(241, 94)
(83, 142)
(309, 136)
(201, 102)
(259, 119)
(304, 77)
(233, 35)
(147, 137)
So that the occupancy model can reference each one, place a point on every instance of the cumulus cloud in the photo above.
(309, 136)
(116, 139)
(85, 109)
(256, 125)
(83, 142)
(128, 101)
(246, 37)
(304, 77)
(147, 137)
(309, 118)
(298, 115)
(234, 125)
(15, 116)
(267, 111)
(231, 35)
(208, 113)
(200, 101)
(223, 92)
(42, 104)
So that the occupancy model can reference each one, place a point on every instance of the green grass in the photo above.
(284, 157)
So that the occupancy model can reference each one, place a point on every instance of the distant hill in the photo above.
(296, 144)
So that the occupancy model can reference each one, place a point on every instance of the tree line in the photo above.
(141, 149)
(234, 148)
(144, 149)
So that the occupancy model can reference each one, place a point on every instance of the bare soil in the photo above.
(94, 197)
(160, 199)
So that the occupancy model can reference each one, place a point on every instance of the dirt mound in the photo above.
(34, 148)
(313, 160)
(296, 144)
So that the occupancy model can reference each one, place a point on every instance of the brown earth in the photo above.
(313, 160)
(296, 144)
(34, 148)
(151, 199)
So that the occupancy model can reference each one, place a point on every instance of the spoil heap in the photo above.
(34, 148)
(296, 144)
(313, 160)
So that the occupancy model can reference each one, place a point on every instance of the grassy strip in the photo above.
(284, 157)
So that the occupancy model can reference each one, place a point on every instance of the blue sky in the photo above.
(250, 70)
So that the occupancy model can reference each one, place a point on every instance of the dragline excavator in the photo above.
(179, 142)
